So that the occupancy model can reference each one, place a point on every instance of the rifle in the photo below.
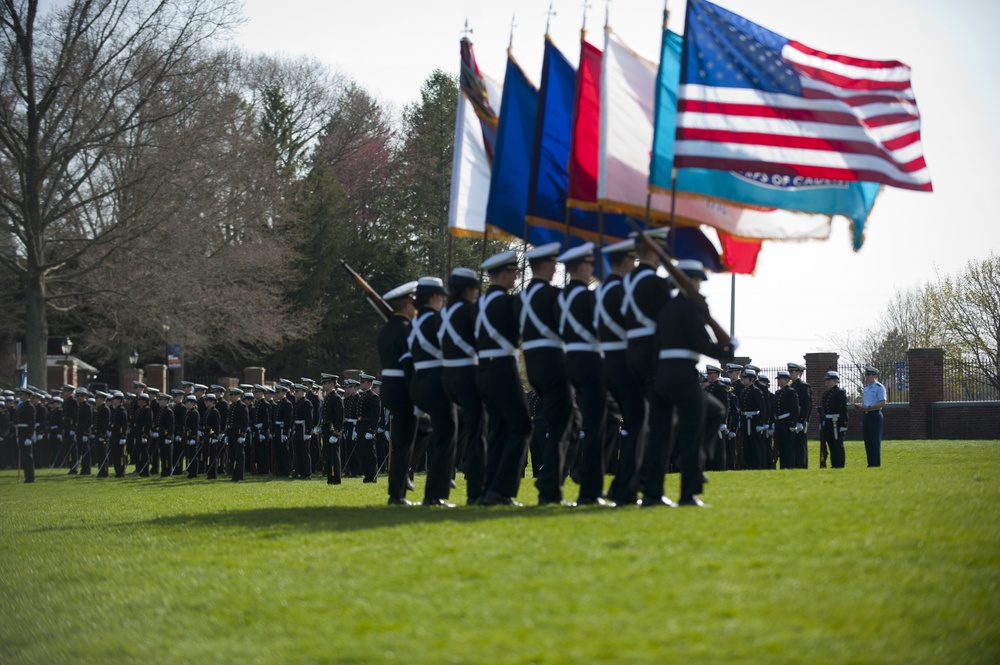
(721, 336)
(373, 298)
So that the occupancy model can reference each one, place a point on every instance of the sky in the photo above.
(803, 294)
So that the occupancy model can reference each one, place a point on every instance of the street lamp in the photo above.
(67, 347)
(133, 357)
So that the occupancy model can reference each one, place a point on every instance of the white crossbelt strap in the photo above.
(601, 315)
(679, 354)
(549, 337)
(483, 321)
(784, 415)
(417, 334)
(397, 373)
(448, 329)
(648, 325)
(590, 341)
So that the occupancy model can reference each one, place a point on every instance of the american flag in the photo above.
(752, 100)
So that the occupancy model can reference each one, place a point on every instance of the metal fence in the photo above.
(965, 382)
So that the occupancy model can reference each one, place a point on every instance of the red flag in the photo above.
(584, 152)
(739, 255)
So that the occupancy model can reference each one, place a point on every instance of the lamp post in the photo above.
(67, 347)
(133, 358)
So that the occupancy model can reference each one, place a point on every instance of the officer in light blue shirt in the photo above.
(873, 399)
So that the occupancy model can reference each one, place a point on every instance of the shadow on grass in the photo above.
(281, 520)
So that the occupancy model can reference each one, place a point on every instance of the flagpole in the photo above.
(732, 308)
(673, 201)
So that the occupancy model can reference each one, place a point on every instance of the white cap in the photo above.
(427, 285)
(549, 249)
(619, 247)
(692, 268)
(583, 252)
(500, 260)
(400, 291)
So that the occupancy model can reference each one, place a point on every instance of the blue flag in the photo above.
(506, 208)
(853, 200)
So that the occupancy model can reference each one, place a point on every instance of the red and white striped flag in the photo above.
(752, 100)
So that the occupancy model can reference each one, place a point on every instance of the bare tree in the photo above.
(81, 87)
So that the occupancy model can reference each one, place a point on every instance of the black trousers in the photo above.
(698, 418)
(402, 433)
(239, 458)
(262, 454)
(785, 438)
(366, 451)
(167, 456)
(427, 392)
(118, 456)
(331, 458)
(641, 362)
(300, 446)
(100, 453)
(460, 387)
(192, 453)
(586, 374)
(212, 452)
(835, 441)
(801, 449)
(630, 401)
(27, 461)
(282, 455)
(503, 396)
(548, 376)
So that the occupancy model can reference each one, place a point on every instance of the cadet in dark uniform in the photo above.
(163, 433)
(457, 336)
(24, 425)
(314, 439)
(70, 408)
(302, 425)
(38, 400)
(805, 393)
(833, 418)
(238, 430)
(368, 419)
(102, 433)
(397, 367)
(210, 432)
(260, 419)
(118, 432)
(190, 435)
(352, 412)
(752, 414)
(427, 390)
(332, 427)
(282, 431)
(732, 424)
(142, 426)
(545, 361)
(84, 424)
(645, 293)
(499, 382)
(612, 331)
(718, 390)
(786, 421)
(585, 368)
(681, 339)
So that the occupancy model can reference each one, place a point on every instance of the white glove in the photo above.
(156, 435)
(72, 432)
(240, 440)
(841, 429)
(734, 343)
(770, 431)
(333, 439)
(177, 439)
(306, 437)
(85, 438)
(225, 438)
(761, 428)
(369, 436)
(27, 441)
(732, 435)
(316, 430)
(58, 437)
(121, 442)
(144, 440)
(380, 430)
(284, 437)
(192, 442)
(798, 428)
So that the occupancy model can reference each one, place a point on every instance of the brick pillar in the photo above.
(228, 381)
(817, 365)
(253, 375)
(128, 376)
(156, 376)
(58, 374)
(926, 387)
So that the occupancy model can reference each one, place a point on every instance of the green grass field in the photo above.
(893, 565)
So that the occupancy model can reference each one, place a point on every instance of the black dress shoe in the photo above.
(437, 502)
(692, 501)
(652, 501)
(393, 501)
(368, 481)
(305, 477)
(599, 501)
(492, 498)
(545, 501)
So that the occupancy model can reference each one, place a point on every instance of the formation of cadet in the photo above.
(614, 388)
